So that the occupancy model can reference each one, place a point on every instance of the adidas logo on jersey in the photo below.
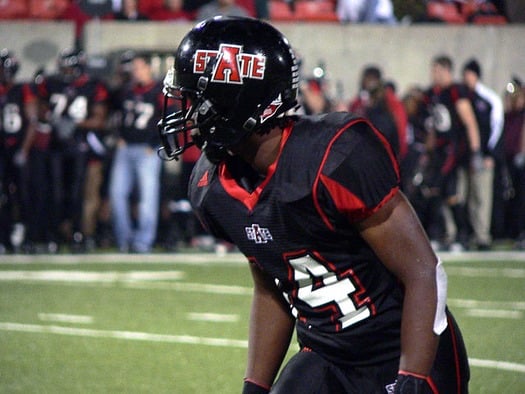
(258, 234)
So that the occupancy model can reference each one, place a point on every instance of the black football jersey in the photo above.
(298, 226)
(141, 110)
(13, 120)
(445, 119)
(73, 99)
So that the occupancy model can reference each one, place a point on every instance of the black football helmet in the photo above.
(8, 66)
(233, 76)
(71, 64)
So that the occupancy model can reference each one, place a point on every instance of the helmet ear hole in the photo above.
(202, 83)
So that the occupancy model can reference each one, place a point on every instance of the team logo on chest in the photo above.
(259, 235)
(231, 64)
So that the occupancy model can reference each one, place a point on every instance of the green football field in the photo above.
(178, 323)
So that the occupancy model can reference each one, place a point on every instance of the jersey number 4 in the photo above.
(319, 287)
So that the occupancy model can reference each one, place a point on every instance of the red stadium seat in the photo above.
(47, 9)
(445, 12)
(280, 11)
(304, 10)
(316, 10)
(147, 6)
(13, 9)
(481, 13)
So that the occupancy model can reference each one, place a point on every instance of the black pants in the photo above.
(309, 373)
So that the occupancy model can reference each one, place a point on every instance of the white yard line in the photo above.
(484, 272)
(90, 276)
(495, 364)
(193, 340)
(122, 258)
(66, 318)
(126, 335)
(211, 258)
(213, 317)
(193, 287)
(486, 304)
(494, 313)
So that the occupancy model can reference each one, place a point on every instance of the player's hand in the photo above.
(408, 383)
(65, 127)
(476, 162)
(519, 160)
(20, 158)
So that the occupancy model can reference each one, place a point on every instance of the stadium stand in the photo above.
(303, 10)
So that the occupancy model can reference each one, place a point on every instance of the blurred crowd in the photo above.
(79, 169)
(343, 11)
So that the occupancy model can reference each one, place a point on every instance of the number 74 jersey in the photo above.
(298, 226)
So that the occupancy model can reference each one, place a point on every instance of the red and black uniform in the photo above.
(13, 173)
(298, 225)
(70, 103)
(451, 140)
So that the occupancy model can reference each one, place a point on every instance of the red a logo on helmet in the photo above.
(232, 65)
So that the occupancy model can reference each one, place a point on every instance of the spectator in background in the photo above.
(416, 166)
(220, 7)
(130, 12)
(136, 162)
(77, 111)
(313, 96)
(171, 10)
(488, 108)
(18, 115)
(514, 143)
(454, 144)
(379, 103)
(366, 11)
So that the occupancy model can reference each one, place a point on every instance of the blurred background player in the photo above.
(78, 108)
(136, 168)
(454, 149)
(18, 116)
(488, 108)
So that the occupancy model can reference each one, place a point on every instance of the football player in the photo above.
(314, 203)
(78, 107)
(17, 121)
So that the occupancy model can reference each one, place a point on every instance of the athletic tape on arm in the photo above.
(440, 320)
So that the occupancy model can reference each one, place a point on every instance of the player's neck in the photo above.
(260, 151)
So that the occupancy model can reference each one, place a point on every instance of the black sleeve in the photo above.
(360, 172)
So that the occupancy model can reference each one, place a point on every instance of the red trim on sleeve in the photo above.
(428, 379)
(264, 386)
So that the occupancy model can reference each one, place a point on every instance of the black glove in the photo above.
(253, 388)
(413, 384)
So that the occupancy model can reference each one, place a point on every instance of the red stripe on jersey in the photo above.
(456, 354)
(101, 93)
(346, 202)
(316, 182)
(28, 95)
